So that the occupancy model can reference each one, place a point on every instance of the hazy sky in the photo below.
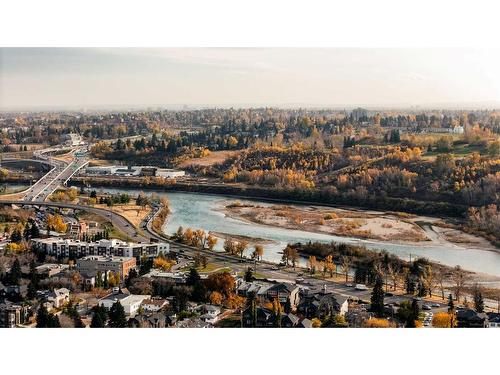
(96, 77)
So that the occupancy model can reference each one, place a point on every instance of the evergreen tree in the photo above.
(16, 236)
(99, 318)
(42, 317)
(248, 275)
(34, 231)
(31, 291)
(15, 273)
(410, 284)
(421, 289)
(96, 321)
(451, 304)
(131, 275)
(478, 299)
(117, 318)
(377, 298)
(193, 277)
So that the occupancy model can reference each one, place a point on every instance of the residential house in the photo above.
(149, 320)
(468, 318)
(209, 313)
(305, 323)
(493, 320)
(154, 305)
(58, 297)
(319, 304)
(289, 321)
(264, 317)
(268, 292)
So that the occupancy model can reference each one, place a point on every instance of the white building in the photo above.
(154, 305)
(73, 139)
(74, 248)
(130, 302)
(120, 170)
(169, 173)
(58, 297)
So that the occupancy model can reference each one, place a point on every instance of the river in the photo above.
(199, 211)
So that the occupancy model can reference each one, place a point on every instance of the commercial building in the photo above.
(68, 248)
(73, 139)
(130, 302)
(92, 265)
(130, 171)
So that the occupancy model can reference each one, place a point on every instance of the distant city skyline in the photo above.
(100, 78)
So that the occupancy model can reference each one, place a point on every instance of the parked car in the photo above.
(389, 294)
(361, 287)
(348, 285)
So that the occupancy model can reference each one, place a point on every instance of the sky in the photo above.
(86, 78)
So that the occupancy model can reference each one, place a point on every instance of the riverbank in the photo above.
(319, 197)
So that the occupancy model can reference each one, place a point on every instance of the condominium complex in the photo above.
(76, 249)
(93, 264)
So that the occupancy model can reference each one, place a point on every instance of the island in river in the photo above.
(374, 225)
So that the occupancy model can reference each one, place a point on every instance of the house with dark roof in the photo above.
(319, 304)
(284, 292)
(305, 323)
(264, 317)
(267, 292)
(289, 321)
(149, 320)
(468, 318)
(493, 320)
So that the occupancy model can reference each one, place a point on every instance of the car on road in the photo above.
(349, 285)
(361, 287)
(435, 305)
(426, 307)
(389, 294)
(299, 280)
(275, 268)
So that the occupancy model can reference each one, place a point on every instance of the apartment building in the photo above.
(93, 264)
(69, 248)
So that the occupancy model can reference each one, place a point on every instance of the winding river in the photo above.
(199, 211)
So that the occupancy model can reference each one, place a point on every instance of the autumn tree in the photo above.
(211, 241)
(329, 265)
(345, 266)
(378, 323)
(216, 298)
(460, 278)
(444, 320)
(312, 264)
(258, 252)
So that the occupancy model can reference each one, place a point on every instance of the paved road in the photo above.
(60, 173)
(117, 220)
